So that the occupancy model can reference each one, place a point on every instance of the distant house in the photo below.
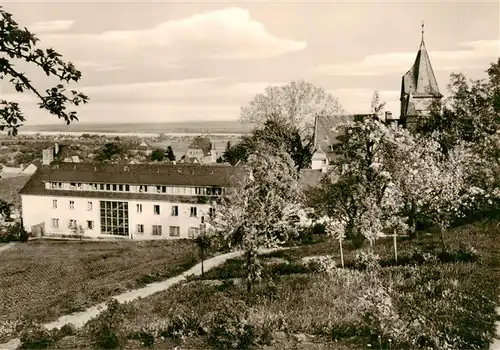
(143, 148)
(202, 149)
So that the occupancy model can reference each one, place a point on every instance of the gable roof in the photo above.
(143, 146)
(324, 136)
(139, 174)
(203, 143)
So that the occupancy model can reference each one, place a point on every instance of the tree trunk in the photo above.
(443, 244)
(202, 262)
(411, 227)
(395, 247)
(341, 253)
(249, 277)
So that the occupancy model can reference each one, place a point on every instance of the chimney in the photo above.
(47, 156)
(388, 116)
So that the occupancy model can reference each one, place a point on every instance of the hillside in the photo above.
(232, 127)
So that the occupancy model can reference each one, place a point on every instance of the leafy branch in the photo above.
(19, 44)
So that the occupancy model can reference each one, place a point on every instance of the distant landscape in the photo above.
(229, 127)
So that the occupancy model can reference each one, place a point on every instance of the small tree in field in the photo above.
(261, 212)
(169, 154)
(78, 231)
(359, 179)
(204, 242)
(412, 163)
(157, 155)
(19, 44)
(336, 228)
(450, 189)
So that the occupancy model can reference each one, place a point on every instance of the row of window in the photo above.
(177, 190)
(72, 224)
(156, 208)
(174, 231)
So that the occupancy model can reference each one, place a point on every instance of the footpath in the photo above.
(496, 342)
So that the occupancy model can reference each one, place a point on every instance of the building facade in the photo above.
(140, 202)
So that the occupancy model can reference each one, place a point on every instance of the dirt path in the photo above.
(496, 341)
(80, 318)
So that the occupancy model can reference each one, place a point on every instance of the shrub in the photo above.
(265, 323)
(68, 329)
(8, 328)
(322, 264)
(108, 330)
(366, 260)
(184, 323)
(36, 336)
(13, 233)
(229, 327)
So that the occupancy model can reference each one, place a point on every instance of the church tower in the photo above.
(419, 88)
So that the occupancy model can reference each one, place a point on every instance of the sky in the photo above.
(159, 61)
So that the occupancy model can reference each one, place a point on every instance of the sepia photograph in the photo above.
(249, 174)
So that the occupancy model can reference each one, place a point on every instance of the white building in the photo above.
(200, 150)
(134, 201)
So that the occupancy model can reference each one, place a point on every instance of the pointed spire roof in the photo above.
(420, 79)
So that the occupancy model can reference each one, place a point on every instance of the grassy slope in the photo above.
(48, 279)
(314, 304)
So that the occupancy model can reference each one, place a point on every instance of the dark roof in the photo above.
(189, 160)
(202, 143)
(324, 136)
(420, 79)
(146, 174)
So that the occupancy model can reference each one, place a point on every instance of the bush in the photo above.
(108, 330)
(322, 264)
(14, 233)
(36, 336)
(68, 329)
(229, 327)
(366, 260)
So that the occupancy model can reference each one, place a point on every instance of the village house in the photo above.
(200, 151)
(143, 148)
(141, 202)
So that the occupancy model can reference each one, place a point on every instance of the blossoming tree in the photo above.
(262, 211)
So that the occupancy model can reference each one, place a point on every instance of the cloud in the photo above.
(197, 99)
(96, 66)
(216, 88)
(189, 99)
(229, 33)
(475, 54)
(359, 100)
(51, 26)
